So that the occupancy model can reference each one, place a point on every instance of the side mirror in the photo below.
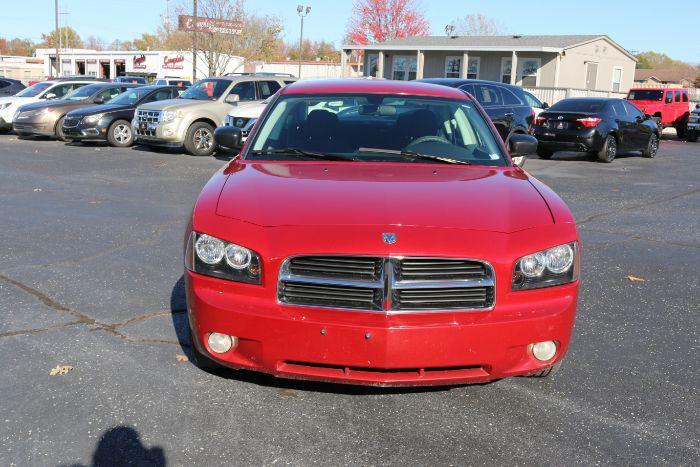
(520, 146)
(50, 96)
(228, 137)
(232, 98)
(545, 106)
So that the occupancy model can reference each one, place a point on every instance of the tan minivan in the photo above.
(190, 119)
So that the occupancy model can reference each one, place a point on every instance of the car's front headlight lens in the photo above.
(212, 256)
(93, 118)
(169, 115)
(554, 266)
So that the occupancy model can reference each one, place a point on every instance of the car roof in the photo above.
(658, 89)
(369, 86)
(456, 82)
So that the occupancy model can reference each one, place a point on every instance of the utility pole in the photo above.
(56, 39)
(194, 44)
(303, 12)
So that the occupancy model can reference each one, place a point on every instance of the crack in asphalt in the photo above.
(84, 319)
(636, 206)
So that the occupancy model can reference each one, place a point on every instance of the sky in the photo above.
(630, 23)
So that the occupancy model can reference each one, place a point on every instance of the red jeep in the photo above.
(669, 107)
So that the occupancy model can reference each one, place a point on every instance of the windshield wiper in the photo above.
(416, 155)
(303, 153)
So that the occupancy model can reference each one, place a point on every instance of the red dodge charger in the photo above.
(381, 233)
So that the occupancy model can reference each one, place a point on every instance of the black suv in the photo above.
(506, 105)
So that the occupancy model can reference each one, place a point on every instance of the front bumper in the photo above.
(4, 125)
(85, 132)
(373, 348)
(569, 140)
(33, 128)
(158, 134)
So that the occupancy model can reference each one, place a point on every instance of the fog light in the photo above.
(544, 351)
(221, 343)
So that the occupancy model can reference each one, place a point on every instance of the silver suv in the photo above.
(190, 119)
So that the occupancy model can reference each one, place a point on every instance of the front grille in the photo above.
(71, 121)
(387, 284)
(148, 116)
(336, 266)
(341, 296)
(438, 268)
(443, 298)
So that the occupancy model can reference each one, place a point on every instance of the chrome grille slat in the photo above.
(392, 285)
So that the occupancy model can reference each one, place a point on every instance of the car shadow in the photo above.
(122, 445)
(584, 157)
(178, 306)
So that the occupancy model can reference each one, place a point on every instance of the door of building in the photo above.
(591, 75)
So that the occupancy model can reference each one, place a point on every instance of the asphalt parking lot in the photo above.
(91, 277)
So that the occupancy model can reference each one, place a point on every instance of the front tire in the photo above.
(652, 147)
(609, 150)
(549, 371)
(544, 153)
(200, 139)
(59, 130)
(120, 134)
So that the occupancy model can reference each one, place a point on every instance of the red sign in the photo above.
(119, 60)
(221, 26)
(173, 63)
(139, 61)
(91, 60)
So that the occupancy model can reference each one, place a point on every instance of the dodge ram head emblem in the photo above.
(389, 238)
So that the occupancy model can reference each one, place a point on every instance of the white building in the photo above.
(25, 69)
(113, 63)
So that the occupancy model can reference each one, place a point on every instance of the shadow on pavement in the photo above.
(122, 445)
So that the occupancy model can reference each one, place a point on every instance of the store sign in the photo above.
(213, 25)
(139, 61)
(173, 63)
(119, 60)
(91, 60)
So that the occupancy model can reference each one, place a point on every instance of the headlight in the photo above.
(93, 118)
(169, 115)
(554, 266)
(212, 256)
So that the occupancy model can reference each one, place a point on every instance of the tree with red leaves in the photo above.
(384, 20)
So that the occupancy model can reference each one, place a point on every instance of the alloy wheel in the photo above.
(203, 139)
(653, 146)
(122, 133)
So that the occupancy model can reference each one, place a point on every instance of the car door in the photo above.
(639, 130)
(617, 111)
(491, 99)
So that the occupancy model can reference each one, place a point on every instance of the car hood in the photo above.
(647, 105)
(338, 193)
(174, 104)
(104, 108)
(56, 104)
(17, 100)
(248, 110)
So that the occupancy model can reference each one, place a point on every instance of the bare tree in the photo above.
(95, 43)
(259, 40)
(477, 25)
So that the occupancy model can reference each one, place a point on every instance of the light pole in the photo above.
(58, 46)
(303, 12)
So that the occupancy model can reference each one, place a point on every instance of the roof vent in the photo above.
(517, 36)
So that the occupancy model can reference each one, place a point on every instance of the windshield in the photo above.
(377, 127)
(579, 105)
(645, 95)
(83, 92)
(131, 96)
(34, 91)
(206, 90)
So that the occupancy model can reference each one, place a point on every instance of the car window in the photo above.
(109, 94)
(158, 82)
(4, 84)
(488, 95)
(467, 88)
(34, 90)
(685, 96)
(206, 89)
(531, 100)
(63, 89)
(160, 95)
(268, 88)
(677, 96)
(619, 109)
(509, 98)
(645, 95)
(632, 111)
(389, 123)
(245, 90)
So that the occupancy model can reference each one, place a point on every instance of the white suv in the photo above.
(52, 89)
